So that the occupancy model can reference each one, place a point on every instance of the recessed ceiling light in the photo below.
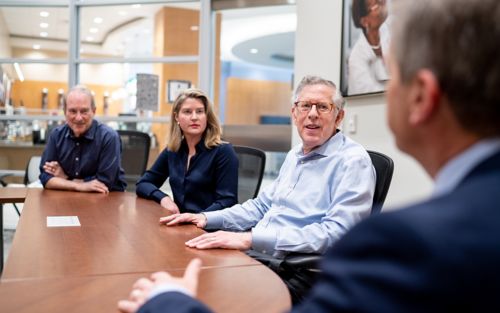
(136, 6)
(89, 38)
(98, 20)
(94, 30)
(44, 13)
(122, 13)
(36, 47)
(254, 51)
(44, 34)
(194, 28)
(44, 25)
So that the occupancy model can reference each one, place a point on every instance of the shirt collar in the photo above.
(89, 134)
(332, 144)
(457, 168)
(200, 146)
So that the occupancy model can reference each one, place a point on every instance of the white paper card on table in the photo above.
(62, 221)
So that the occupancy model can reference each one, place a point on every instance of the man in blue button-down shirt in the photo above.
(325, 186)
(83, 154)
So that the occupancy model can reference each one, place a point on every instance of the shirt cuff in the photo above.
(157, 195)
(89, 178)
(264, 241)
(168, 288)
(214, 220)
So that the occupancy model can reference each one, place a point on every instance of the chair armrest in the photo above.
(307, 261)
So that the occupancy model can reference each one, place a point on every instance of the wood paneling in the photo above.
(30, 93)
(247, 100)
(174, 36)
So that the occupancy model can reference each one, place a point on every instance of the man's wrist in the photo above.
(203, 221)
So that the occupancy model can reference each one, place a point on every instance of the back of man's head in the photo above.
(457, 40)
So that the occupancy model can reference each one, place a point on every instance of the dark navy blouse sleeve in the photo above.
(226, 178)
(148, 186)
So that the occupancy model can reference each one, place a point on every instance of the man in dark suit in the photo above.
(441, 255)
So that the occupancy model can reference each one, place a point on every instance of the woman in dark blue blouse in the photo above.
(203, 170)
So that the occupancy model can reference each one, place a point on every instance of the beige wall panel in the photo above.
(247, 100)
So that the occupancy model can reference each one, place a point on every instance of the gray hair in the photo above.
(83, 90)
(458, 41)
(310, 80)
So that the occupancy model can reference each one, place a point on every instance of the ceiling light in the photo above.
(254, 51)
(98, 20)
(89, 38)
(44, 34)
(122, 13)
(94, 30)
(36, 47)
(44, 13)
(194, 28)
(19, 72)
(136, 6)
(44, 25)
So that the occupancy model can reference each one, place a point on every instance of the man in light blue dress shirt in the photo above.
(325, 186)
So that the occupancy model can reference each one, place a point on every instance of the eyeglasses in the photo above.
(321, 107)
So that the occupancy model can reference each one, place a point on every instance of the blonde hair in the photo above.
(213, 131)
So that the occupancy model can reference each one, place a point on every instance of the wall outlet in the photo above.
(352, 124)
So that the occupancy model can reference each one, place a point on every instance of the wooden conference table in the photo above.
(9, 195)
(89, 268)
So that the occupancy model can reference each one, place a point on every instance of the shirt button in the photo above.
(76, 173)
(76, 159)
(301, 162)
(77, 143)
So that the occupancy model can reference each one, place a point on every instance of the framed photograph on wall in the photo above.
(174, 87)
(365, 44)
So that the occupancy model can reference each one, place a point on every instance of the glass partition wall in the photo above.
(110, 46)
(240, 54)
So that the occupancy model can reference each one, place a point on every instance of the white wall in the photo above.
(318, 51)
(5, 51)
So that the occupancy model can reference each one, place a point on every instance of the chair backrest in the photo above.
(32, 170)
(135, 154)
(384, 167)
(250, 171)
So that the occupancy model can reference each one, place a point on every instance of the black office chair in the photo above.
(250, 171)
(135, 154)
(384, 168)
